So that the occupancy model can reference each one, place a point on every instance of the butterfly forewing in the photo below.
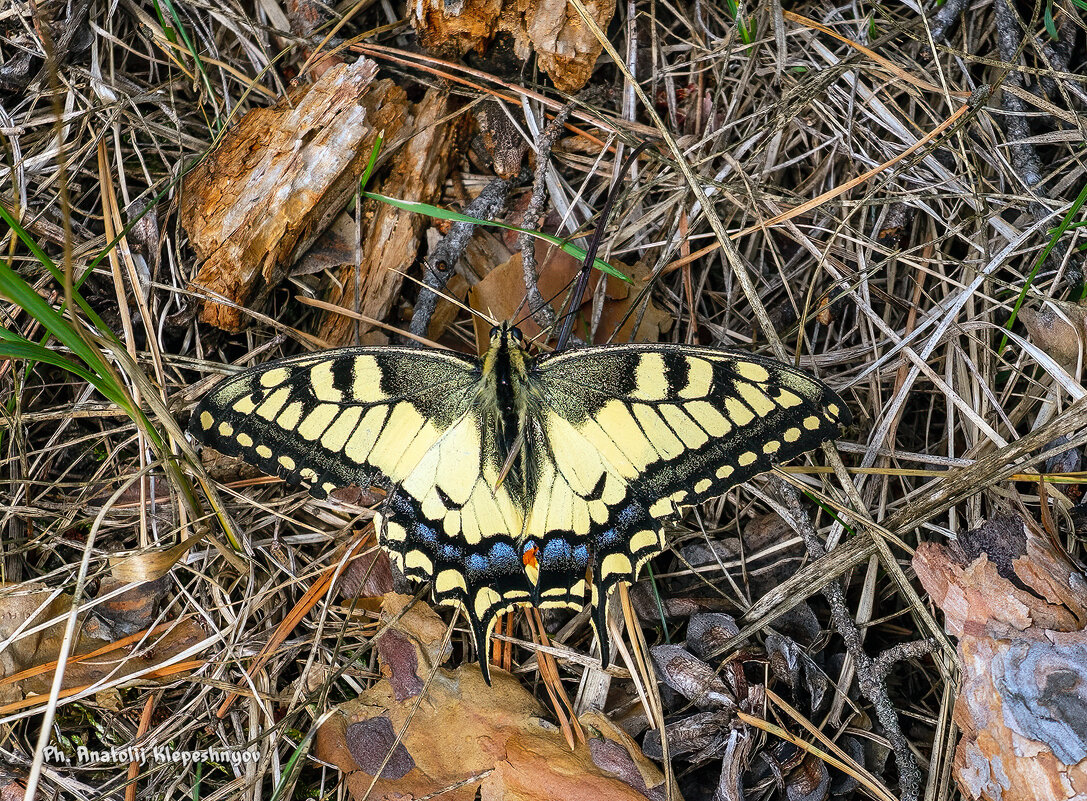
(356, 416)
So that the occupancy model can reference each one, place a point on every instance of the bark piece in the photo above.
(276, 182)
(565, 48)
(1022, 706)
(391, 236)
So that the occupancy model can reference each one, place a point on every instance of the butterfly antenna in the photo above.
(594, 246)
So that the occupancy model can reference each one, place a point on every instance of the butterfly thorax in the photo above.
(508, 413)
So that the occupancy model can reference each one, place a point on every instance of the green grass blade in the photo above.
(446, 214)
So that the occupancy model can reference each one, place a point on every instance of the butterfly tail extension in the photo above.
(632, 539)
(484, 579)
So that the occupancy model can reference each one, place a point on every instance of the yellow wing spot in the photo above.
(771, 446)
(269, 410)
(287, 463)
(791, 434)
(787, 400)
(206, 420)
(756, 399)
(485, 599)
(724, 471)
(328, 487)
(650, 378)
(553, 591)
(264, 452)
(702, 485)
(616, 563)
(752, 372)
(679, 495)
(310, 475)
(245, 440)
(433, 508)
(699, 378)
(367, 383)
(660, 435)
(394, 532)
(362, 441)
(715, 423)
(415, 559)
(290, 417)
(225, 429)
(321, 382)
(811, 422)
(337, 433)
(451, 523)
(598, 510)
(737, 412)
(244, 405)
(273, 378)
(450, 580)
(835, 412)
(645, 540)
(659, 509)
(318, 421)
(688, 430)
(746, 458)
(577, 591)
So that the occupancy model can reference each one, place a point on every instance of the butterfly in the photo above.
(517, 479)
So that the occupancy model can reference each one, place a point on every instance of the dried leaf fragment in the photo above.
(465, 738)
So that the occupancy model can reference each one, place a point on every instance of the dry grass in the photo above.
(903, 281)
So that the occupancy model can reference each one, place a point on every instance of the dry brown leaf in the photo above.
(23, 607)
(1022, 707)
(565, 49)
(277, 180)
(502, 292)
(460, 729)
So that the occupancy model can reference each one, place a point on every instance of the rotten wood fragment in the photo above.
(277, 180)
(391, 236)
(1018, 605)
(565, 48)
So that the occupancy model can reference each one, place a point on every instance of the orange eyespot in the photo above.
(531, 557)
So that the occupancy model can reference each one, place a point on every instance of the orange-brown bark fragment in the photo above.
(277, 180)
(565, 48)
(1022, 706)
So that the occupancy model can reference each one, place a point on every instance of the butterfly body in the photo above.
(514, 479)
